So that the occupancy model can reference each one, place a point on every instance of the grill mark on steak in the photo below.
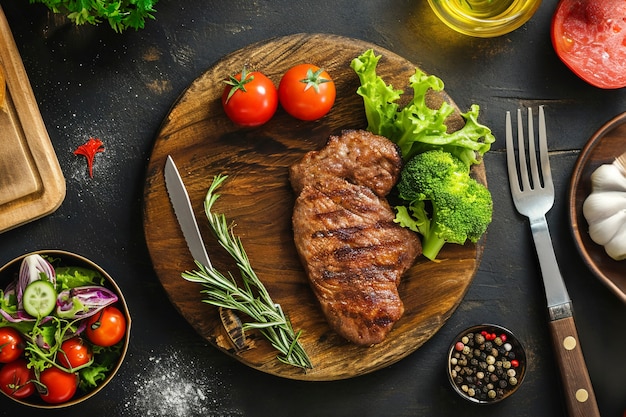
(353, 253)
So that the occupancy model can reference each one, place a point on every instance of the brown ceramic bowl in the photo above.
(9, 271)
(602, 148)
(486, 364)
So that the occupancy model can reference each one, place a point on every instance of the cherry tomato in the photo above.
(107, 327)
(306, 92)
(250, 98)
(16, 379)
(11, 344)
(74, 353)
(58, 386)
(589, 37)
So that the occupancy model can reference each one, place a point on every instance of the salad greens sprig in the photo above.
(416, 127)
(252, 298)
(46, 340)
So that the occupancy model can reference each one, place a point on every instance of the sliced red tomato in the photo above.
(250, 98)
(74, 353)
(57, 386)
(306, 92)
(16, 379)
(11, 344)
(589, 36)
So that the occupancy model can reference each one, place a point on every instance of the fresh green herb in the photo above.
(252, 298)
(120, 14)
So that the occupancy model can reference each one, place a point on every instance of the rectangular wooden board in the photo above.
(31, 181)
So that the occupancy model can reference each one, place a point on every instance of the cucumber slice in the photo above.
(39, 298)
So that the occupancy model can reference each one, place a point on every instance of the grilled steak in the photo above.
(358, 156)
(353, 252)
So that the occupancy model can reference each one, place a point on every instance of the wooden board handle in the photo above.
(579, 396)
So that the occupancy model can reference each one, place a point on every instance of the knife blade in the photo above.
(184, 212)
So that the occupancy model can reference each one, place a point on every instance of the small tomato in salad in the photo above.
(589, 36)
(74, 353)
(249, 98)
(16, 380)
(106, 327)
(307, 92)
(57, 386)
(11, 344)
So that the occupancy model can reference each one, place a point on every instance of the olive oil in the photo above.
(484, 18)
(482, 9)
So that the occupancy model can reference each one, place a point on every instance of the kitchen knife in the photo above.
(184, 212)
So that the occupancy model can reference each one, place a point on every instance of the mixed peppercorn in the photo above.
(486, 364)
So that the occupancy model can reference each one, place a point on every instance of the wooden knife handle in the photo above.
(579, 396)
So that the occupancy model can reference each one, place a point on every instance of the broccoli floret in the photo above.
(444, 203)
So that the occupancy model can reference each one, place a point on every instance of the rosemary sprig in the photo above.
(252, 298)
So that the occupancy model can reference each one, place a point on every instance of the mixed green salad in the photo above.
(60, 331)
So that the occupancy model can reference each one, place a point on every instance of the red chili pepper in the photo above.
(89, 151)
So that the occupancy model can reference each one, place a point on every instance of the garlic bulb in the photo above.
(605, 209)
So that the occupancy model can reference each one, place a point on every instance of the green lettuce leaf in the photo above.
(74, 276)
(417, 128)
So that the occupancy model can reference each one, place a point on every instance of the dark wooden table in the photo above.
(92, 82)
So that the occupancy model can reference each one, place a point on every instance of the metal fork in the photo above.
(533, 195)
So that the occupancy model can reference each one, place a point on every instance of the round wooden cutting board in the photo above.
(258, 200)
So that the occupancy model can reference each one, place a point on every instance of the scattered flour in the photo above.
(171, 387)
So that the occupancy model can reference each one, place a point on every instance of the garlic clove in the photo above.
(616, 247)
(603, 231)
(599, 206)
(608, 177)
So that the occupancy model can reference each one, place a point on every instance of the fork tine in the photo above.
(510, 157)
(543, 151)
(521, 150)
(532, 154)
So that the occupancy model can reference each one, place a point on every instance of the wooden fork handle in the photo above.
(579, 396)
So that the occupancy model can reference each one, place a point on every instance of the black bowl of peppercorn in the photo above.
(486, 363)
